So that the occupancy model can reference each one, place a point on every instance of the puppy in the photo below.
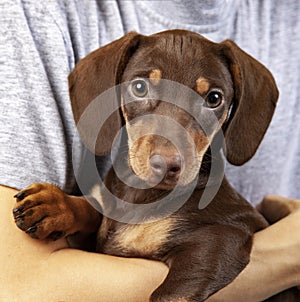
(181, 98)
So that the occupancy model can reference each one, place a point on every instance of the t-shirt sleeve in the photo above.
(36, 122)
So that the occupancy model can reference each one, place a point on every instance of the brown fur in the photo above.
(204, 249)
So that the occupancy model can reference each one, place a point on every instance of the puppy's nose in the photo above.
(168, 166)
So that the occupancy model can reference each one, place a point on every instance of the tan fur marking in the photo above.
(200, 139)
(103, 231)
(155, 76)
(123, 109)
(202, 85)
(96, 194)
(139, 153)
(146, 238)
(223, 119)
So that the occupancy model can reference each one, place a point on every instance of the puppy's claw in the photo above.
(20, 216)
(20, 196)
(33, 235)
(20, 224)
(31, 229)
(18, 210)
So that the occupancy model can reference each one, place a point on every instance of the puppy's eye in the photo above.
(214, 99)
(139, 88)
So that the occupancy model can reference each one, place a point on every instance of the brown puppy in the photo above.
(195, 90)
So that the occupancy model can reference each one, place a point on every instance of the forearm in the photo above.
(273, 267)
(76, 276)
(32, 270)
(93, 277)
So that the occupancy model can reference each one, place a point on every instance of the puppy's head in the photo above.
(178, 91)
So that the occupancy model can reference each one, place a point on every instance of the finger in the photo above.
(275, 207)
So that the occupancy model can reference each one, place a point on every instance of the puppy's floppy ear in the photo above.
(255, 97)
(93, 75)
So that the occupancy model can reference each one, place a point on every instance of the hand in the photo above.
(274, 260)
(275, 207)
(284, 214)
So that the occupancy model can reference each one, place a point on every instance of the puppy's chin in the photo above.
(167, 185)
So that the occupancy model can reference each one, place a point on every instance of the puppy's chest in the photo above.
(135, 240)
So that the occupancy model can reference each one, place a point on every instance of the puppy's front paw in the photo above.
(43, 211)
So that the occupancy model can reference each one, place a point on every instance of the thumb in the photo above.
(275, 207)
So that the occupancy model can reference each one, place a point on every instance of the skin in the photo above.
(33, 270)
(274, 261)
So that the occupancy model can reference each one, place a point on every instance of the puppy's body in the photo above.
(205, 249)
(227, 92)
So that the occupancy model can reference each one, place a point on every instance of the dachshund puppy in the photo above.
(181, 99)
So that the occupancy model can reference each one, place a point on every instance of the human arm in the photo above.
(274, 261)
(32, 270)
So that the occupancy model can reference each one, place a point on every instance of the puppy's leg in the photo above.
(201, 267)
(45, 212)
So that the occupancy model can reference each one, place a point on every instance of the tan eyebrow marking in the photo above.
(155, 76)
(202, 85)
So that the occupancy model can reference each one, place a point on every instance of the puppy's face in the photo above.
(175, 97)
(160, 151)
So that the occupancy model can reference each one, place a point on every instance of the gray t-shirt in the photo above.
(40, 42)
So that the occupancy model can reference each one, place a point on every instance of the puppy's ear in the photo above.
(255, 97)
(92, 76)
